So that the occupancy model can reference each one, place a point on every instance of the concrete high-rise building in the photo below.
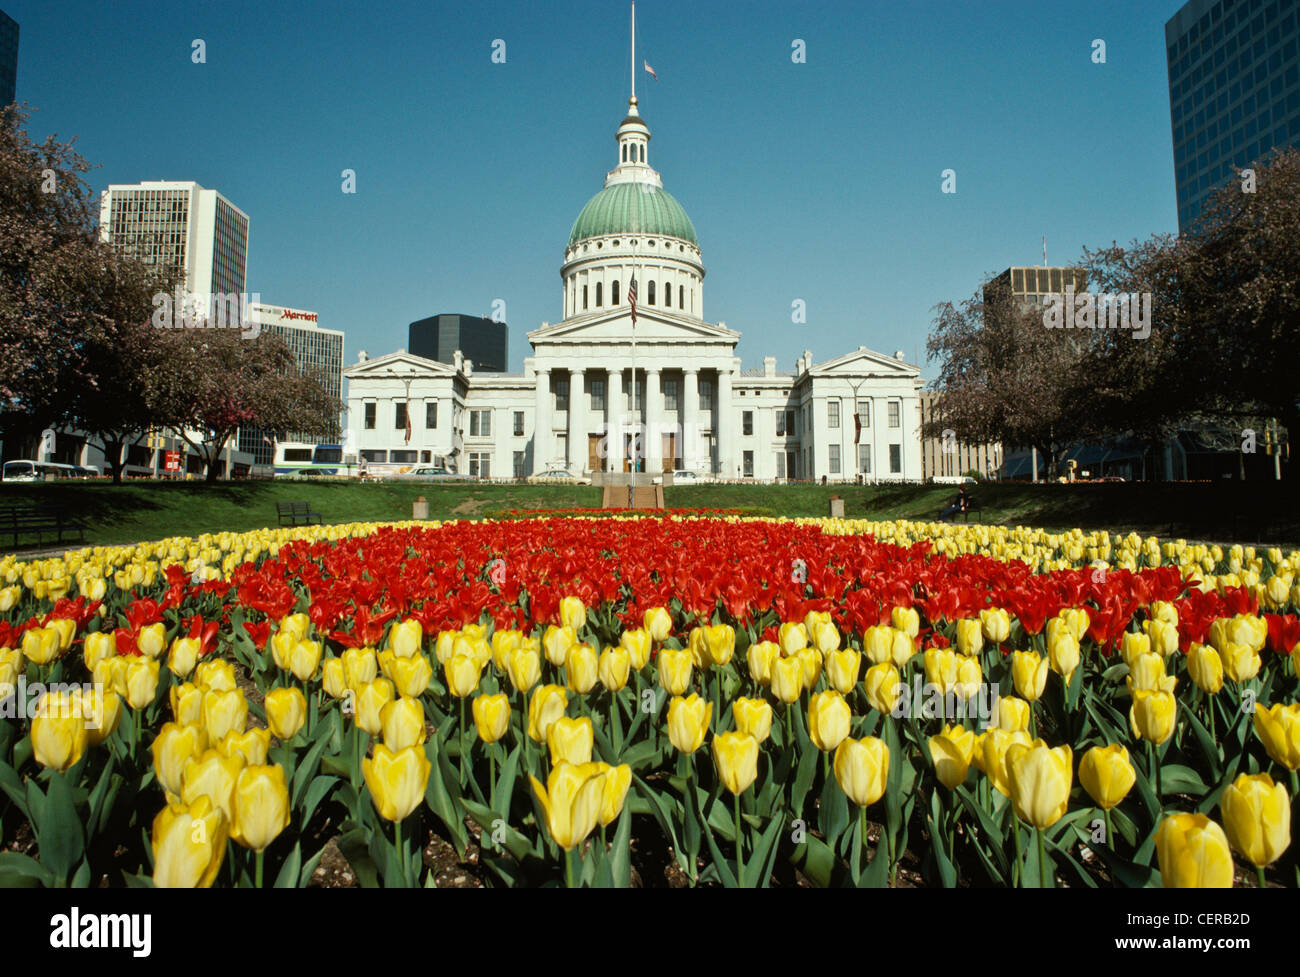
(195, 232)
(482, 340)
(1031, 284)
(317, 351)
(1234, 91)
(8, 59)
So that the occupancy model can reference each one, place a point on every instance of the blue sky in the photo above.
(817, 181)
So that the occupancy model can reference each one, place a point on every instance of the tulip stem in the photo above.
(1110, 832)
(462, 741)
(568, 868)
(740, 861)
(1259, 874)
(257, 871)
(1045, 871)
(1015, 844)
(1154, 767)
(397, 846)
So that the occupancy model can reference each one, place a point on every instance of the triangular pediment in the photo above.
(399, 364)
(615, 326)
(865, 362)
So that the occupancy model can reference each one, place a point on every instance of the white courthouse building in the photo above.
(575, 407)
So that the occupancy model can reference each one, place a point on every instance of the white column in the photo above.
(542, 440)
(614, 411)
(722, 423)
(654, 453)
(577, 422)
(690, 419)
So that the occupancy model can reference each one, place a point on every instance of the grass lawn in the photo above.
(1229, 511)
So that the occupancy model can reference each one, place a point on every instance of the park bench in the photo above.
(972, 505)
(296, 514)
(17, 521)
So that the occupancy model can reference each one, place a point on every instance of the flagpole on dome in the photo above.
(636, 248)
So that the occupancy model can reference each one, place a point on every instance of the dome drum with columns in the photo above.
(574, 407)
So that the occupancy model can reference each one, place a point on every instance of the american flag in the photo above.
(268, 440)
(649, 69)
(857, 428)
(631, 297)
(408, 422)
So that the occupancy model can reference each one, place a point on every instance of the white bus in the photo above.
(300, 459)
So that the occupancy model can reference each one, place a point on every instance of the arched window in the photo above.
(598, 289)
(643, 154)
(681, 296)
(613, 294)
(668, 295)
(584, 296)
(650, 294)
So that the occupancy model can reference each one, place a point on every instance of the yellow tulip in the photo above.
(360, 666)
(294, 626)
(250, 746)
(215, 674)
(637, 643)
(182, 658)
(1193, 853)
(760, 657)
(1013, 713)
(405, 638)
(303, 659)
(736, 757)
(1076, 620)
(1029, 673)
(970, 636)
(1278, 728)
(186, 702)
(811, 661)
(557, 642)
(996, 624)
(614, 668)
(286, 712)
(1153, 715)
(573, 613)
(281, 645)
(862, 769)
(97, 647)
(1040, 779)
(951, 751)
(884, 686)
(617, 780)
(369, 703)
(213, 775)
(444, 645)
(878, 644)
(688, 721)
(189, 843)
(570, 740)
(397, 780)
(462, 674)
(102, 711)
(524, 666)
(829, 717)
(1148, 672)
(546, 706)
(825, 637)
(1163, 635)
(491, 716)
(410, 676)
(720, 640)
(262, 806)
(41, 645)
(1240, 662)
(792, 638)
(1132, 644)
(58, 731)
(571, 801)
(402, 723)
(141, 682)
(842, 669)
(1107, 775)
(151, 640)
(1206, 668)
(941, 669)
(658, 623)
(504, 642)
(674, 670)
(223, 711)
(906, 619)
(1257, 818)
(173, 747)
(990, 755)
(581, 668)
(752, 717)
(787, 679)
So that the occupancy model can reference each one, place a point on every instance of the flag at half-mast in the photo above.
(408, 422)
(649, 70)
(857, 427)
(631, 297)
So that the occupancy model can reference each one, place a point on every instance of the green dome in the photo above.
(627, 208)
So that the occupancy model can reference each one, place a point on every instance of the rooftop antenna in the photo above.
(1044, 250)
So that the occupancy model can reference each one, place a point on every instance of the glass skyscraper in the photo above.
(1234, 91)
(8, 59)
(481, 339)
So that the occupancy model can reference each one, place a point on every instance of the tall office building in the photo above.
(180, 225)
(1234, 91)
(316, 350)
(1031, 284)
(8, 59)
(482, 340)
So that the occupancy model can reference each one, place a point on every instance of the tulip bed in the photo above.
(765, 702)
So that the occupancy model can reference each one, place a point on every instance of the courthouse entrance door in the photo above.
(594, 461)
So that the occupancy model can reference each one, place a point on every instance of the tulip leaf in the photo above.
(661, 816)
(1178, 779)
(100, 795)
(309, 869)
(291, 870)
(137, 881)
(16, 867)
(1148, 794)
(353, 847)
(720, 862)
(803, 778)
(1210, 749)
(35, 803)
(12, 785)
(59, 833)
(440, 798)
(640, 756)
(336, 766)
(486, 818)
(504, 788)
(817, 862)
(306, 771)
(320, 787)
(620, 856)
(833, 811)
(1128, 873)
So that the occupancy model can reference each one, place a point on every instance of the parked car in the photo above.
(428, 473)
(558, 476)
